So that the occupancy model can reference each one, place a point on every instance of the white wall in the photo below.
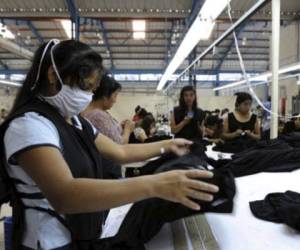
(289, 53)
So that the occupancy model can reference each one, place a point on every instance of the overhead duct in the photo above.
(15, 48)
(10, 83)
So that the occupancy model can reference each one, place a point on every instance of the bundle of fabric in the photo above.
(266, 156)
(196, 154)
(265, 160)
(235, 146)
(279, 207)
(293, 139)
(145, 218)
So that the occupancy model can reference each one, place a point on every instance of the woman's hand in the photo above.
(238, 132)
(128, 126)
(182, 186)
(187, 120)
(178, 146)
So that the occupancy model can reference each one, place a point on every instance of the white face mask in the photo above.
(70, 101)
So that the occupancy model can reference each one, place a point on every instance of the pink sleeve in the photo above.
(105, 126)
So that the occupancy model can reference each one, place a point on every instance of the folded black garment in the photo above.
(195, 157)
(256, 161)
(292, 139)
(156, 138)
(236, 146)
(145, 218)
(279, 207)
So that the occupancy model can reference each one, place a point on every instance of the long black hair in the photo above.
(107, 87)
(182, 104)
(147, 123)
(74, 60)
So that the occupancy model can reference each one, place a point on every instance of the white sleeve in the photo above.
(30, 130)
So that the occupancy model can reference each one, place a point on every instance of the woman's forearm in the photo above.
(177, 128)
(229, 136)
(88, 195)
(141, 152)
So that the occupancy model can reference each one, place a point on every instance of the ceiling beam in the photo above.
(15, 48)
(106, 42)
(230, 46)
(75, 18)
(35, 32)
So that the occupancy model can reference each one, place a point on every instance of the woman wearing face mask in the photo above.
(187, 119)
(52, 157)
(242, 123)
(104, 98)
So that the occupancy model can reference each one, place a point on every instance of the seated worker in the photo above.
(213, 128)
(242, 123)
(187, 119)
(104, 98)
(144, 130)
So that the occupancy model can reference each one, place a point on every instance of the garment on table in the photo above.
(274, 144)
(292, 139)
(236, 145)
(264, 160)
(197, 154)
(279, 207)
(146, 218)
(191, 130)
(106, 124)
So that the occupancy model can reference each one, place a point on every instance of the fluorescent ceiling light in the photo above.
(9, 83)
(267, 74)
(201, 29)
(5, 32)
(139, 35)
(67, 25)
(139, 28)
(138, 25)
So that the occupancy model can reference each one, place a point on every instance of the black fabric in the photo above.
(279, 207)
(290, 127)
(234, 124)
(236, 145)
(191, 130)
(155, 138)
(82, 157)
(292, 139)
(268, 156)
(197, 154)
(145, 218)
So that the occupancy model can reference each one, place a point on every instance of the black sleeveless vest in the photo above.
(234, 124)
(84, 160)
(191, 130)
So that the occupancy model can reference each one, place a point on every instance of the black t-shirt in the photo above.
(191, 130)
